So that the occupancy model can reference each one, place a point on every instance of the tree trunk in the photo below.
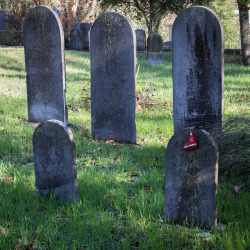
(244, 31)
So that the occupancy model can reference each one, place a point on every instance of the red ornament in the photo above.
(191, 144)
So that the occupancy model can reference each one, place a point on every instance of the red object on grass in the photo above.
(191, 144)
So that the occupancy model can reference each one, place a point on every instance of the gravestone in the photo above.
(113, 57)
(140, 40)
(198, 69)
(45, 67)
(167, 46)
(154, 49)
(54, 160)
(79, 37)
(191, 179)
(84, 35)
(75, 38)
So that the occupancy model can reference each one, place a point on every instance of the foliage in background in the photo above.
(151, 12)
(72, 11)
(225, 10)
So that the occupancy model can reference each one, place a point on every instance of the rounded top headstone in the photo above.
(154, 43)
(112, 23)
(191, 179)
(198, 69)
(197, 14)
(43, 39)
(54, 150)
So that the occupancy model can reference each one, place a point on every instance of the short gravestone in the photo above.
(54, 160)
(167, 46)
(154, 49)
(75, 38)
(191, 180)
(198, 69)
(84, 35)
(45, 67)
(140, 40)
(113, 57)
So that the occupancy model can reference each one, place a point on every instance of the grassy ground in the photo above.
(121, 186)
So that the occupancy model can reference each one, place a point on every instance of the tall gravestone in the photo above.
(191, 179)
(54, 160)
(198, 69)
(84, 29)
(45, 66)
(154, 49)
(79, 37)
(140, 40)
(75, 38)
(112, 56)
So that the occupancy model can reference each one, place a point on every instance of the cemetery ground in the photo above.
(121, 185)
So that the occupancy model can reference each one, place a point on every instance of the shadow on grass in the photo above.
(234, 151)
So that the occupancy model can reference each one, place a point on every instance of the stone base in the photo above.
(68, 192)
(154, 58)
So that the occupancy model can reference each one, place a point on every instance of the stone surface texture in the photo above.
(140, 40)
(54, 160)
(113, 58)
(154, 49)
(191, 179)
(45, 66)
(198, 69)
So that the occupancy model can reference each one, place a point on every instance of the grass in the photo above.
(121, 186)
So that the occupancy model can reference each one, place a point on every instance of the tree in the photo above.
(225, 10)
(72, 11)
(152, 11)
(244, 31)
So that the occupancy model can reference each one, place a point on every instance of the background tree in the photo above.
(72, 11)
(150, 10)
(225, 10)
(243, 6)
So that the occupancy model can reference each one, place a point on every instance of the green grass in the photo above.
(121, 186)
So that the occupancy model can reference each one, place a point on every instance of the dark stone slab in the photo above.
(198, 69)
(167, 46)
(140, 40)
(112, 55)
(45, 67)
(84, 35)
(79, 37)
(154, 49)
(75, 38)
(54, 160)
(191, 179)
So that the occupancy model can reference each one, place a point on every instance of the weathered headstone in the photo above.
(112, 55)
(84, 35)
(54, 160)
(79, 37)
(198, 69)
(140, 40)
(154, 49)
(75, 38)
(191, 179)
(45, 67)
